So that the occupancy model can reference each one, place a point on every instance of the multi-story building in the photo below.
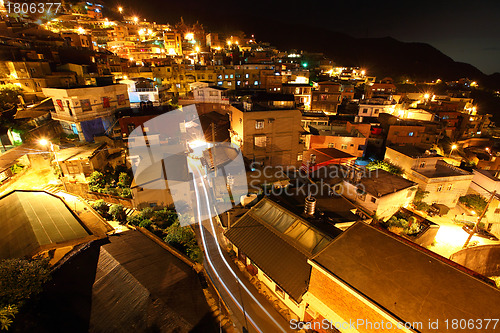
(342, 137)
(379, 192)
(327, 97)
(268, 129)
(173, 42)
(87, 111)
(302, 93)
(444, 183)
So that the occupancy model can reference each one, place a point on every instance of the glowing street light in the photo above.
(453, 147)
(45, 142)
(136, 19)
(189, 36)
(363, 72)
(197, 49)
(229, 43)
(80, 30)
(426, 96)
(120, 9)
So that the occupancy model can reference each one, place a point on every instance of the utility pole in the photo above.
(479, 220)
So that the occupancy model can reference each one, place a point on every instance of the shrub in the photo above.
(387, 166)
(124, 180)
(101, 207)
(96, 181)
(126, 193)
(16, 168)
(118, 212)
(21, 279)
(474, 201)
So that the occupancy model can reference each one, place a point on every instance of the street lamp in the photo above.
(452, 148)
(120, 9)
(136, 19)
(45, 142)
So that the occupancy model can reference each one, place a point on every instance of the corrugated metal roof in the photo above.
(283, 263)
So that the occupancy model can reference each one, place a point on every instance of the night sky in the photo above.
(467, 31)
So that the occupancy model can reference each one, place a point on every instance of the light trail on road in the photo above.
(209, 260)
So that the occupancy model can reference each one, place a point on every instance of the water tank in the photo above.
(310, 206)
(248, 199)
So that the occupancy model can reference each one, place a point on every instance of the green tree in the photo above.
(387, 166)
(20, 280)
(118, 212)
(9, 96)
(126, 193)
(96, 181)
(474, 201)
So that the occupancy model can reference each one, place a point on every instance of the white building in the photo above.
(142, 90)
(87, 111)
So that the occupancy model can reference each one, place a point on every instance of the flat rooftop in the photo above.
(414, 151)
(381, 182)
(443, 170)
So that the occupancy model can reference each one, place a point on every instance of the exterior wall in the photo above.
(442, 190)
(384, 207)
(209, 95)
(352, 145)
(331, 299)
(405, 134)
(298, 309)
(69, 107)
(408, 163)
(374, 110)
(484, 185)
(281, 130)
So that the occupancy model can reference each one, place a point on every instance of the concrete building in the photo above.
(87, 111)
(444, 183)
(362, 277)
(379, 192)
(142, 90)
(302, 93)
(342, 137)
(268, 128)
(327, 97)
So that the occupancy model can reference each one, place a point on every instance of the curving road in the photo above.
(250, 309)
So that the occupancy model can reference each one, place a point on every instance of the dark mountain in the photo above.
(379, 56)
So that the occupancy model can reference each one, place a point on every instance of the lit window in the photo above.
(344, 147)
(279, 291)
(331, 145)
(410, 134)
(259, 124)
(299, 157)
(440, 188)
(450, 186)
(256, 83)
(260, 141)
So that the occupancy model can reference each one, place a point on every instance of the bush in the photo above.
(126, 193)
(16, 168)
(101, 207)
(118, 212)
(387, 166)
(21, 279)
(474, 201)
(96, 181)
(124, 180)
